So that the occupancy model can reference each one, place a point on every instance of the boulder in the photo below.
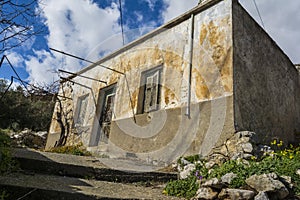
(269, 184)
(210, 164)
(214, 183)
(187, 171)
(261, 196)
(287, 181)
(28, 138)
(246, 134)
(236, 194)
(247, 147)
(262, 150)
(206, 193)
(227, 178)
(248, 156)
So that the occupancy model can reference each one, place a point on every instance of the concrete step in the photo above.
(104, 169)
(49, 187)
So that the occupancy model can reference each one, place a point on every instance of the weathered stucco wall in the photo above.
(211, 89)
(266, 84)
(168, 134)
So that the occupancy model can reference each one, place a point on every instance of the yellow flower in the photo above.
(280, 143)
(274, 142)
(291, 156)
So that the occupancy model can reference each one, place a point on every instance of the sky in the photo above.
(91, 29)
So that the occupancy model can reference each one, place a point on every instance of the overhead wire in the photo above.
(12, 67)
(77, 57)
(11, 82)
(121, 22)
(76, 74)
(258, 12)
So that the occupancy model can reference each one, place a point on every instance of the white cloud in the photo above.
(15, 59)
(77, 27)
(151, 3)
(177, 7)
(281, 20)
(41, 67)
(139, 16)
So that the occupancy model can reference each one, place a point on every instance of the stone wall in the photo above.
(266, 83)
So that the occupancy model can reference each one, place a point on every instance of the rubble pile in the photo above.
(29, 138)
(242, 147)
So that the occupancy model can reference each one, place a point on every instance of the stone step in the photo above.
(105, 169)
(49, 187)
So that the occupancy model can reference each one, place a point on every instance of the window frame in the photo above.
(80, 117)
(143, 86)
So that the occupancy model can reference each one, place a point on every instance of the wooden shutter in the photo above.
(151, 92)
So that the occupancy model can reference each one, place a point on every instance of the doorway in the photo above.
(105, 113)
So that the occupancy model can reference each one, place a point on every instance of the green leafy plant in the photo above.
(3, 195)
(78, 150)
(186, 188)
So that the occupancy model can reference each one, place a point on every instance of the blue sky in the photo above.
(91, 29)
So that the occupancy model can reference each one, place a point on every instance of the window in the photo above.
(149, 90)
(81, 109)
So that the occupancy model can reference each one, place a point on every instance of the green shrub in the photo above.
(7, 163)
(240, 169)
(186, 188)
(77, 150)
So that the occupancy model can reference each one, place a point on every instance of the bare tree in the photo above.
(18, 22)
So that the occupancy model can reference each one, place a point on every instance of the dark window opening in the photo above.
(149, 94)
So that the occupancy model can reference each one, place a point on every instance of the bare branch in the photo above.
(18, 22)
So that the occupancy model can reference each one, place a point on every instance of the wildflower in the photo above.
(274, 142)
(280, 143)
(197, 174)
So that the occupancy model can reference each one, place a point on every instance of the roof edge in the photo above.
(199, 8)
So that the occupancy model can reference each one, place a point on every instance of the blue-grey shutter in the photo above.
(151, 92)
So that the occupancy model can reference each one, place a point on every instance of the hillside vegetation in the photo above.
(25, 109)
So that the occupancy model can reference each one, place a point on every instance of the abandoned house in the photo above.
(182, 89)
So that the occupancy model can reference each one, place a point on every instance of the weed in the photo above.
(78, 150)
(182, 188)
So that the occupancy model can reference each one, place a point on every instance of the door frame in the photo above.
(96, 130)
